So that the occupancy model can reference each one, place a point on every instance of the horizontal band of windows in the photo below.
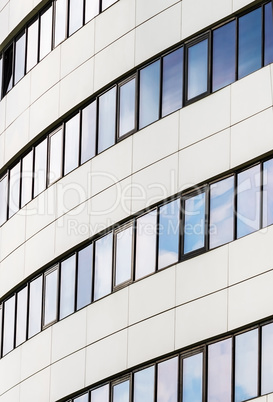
(189, 224)
(152, 92)
(211, 372)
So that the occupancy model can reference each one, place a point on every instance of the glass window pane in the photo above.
(123, 255)
(100, 394)
(50, 296)
(72, 144)
(221, 212)
(60, 21)
(40, 167)
(1, 70)
(246, 365)
(224, 55)
(103, 266)
(14, 189)
(146, 244)
(75, 15)
(121, 392)
(45, 33)
(3, 198)
(167, 380)
(168, 247)
(194, 229)
(127, 107)
(248, 201)
(267, 359)
(268, 34)
(20, 51)
(9, 324)
(8, 70)
(67, 288)
(193, 378)
(197, 69)
(219, 371)
(82, 398)
(172, 82)
(32, 45)
(21, 316)
(268, 193)
(106, 4)
(88, 132)
(92, 8)
(55, 156)
(250, 43)
(107, 119)
(26, 190)
(1, 320)
(35, 306)
(144, 385)
(149, 91)
(84, 284)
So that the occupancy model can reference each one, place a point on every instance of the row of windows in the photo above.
(183, 227)
(233, 369)
(113, 114)
(60, 19)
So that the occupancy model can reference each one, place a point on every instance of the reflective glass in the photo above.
(221, 212)
(127, 107)
(7, 70)
(32, 45)
(1, 321)
(88, 132)
(3, 198)
(21, 316)
(146, 244)
(268, 193)
(192, 378)
(149, 93)
(194, 227)
(248, 201)
(45, 33)
(100, 394)
(107, 3)
(121, 392)
(250, 43)
(50, 296)
(27, 175)
(14, 189)
(75, 15)
(20, 52)
(67, 288)
(172, 84)
(103, 266)
(246, 365)
(35, 306)
(144, 385)
(1, 70)
(55, 156)
(92, 8)
(123, 255)
(107, 120)
(40, 167)
(268, 34)
(224, 55)
(219, 371)
(60, 21)
(267, 359)
(82, 398)
(168, 247)
(167, 380)
(84, 283)
(8, 327)
(197, 69)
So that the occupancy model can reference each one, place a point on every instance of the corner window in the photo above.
(20, 51)
(8, 327)
(55, 156)
(88, 132)
(197, 69)
(85, 276)
(123, 255)
(27, 177)
(149, 93)
(21, 316)
(127, 107)
(172, 82)
(7, 70)
(45, 33)
(75, 15)
(67, 288)
(103, 266)
(92, 8)
(60, 27)
(50, 295)
(32, 45)
(192, 380)
(72, 144)
(107, 120)
(35, 306)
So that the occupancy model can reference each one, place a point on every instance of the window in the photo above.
(35, 306)
(60, 21)
(40, 167)
(146, 244)
(45, 33)
(3, 198)
(149, 92)
(103, 266)
(194, 222)
(20, 51)
(107, 120)
(1, 78)
(144, 385)
(7, 70)
(121, 392)
(14, 189)
(72, 144)
(123, 255)
(27, 176)
(172, 84)
(197, 69)
(84, 282)
(88, 132)
(8, 327)
(75, 15)
(268, 193)
(224, 55)
(192, 381)
(267, 359)
(21, 316)
(67, 288)
(50, 295)
(100, 394)
(167, 379)
(55, 156)
(127, 107)
(32, 45)
(92, 8)
(106, 3)
(250, 43)
(82, 398)
(268, 34)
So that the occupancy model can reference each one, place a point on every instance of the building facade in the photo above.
(136, 201)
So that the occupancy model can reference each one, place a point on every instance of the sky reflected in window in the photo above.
(144, 385)
(103, 266)
(268, 193)
(149, 91)
(172, 84)
(192, 378)
(121, 392)
(194, 227)
(167, 376)
(268, 34)
(123, 255)
(127, 107)
(197, 69)
(267, 359)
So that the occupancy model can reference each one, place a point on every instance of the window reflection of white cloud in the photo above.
(144, 385)
(192, 378)
(267, 359)
(121, 392)
(167, 381)
(103, 266)
(167, 258)
(100, 394)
